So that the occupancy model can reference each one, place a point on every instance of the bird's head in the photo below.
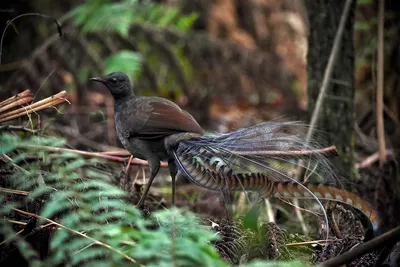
(117, 83)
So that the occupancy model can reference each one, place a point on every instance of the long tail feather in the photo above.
(326, 192)
(273, 148)
(262, 158)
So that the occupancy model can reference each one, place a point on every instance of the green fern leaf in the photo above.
(108, 204)
(57, 203)
(71, 166)
(186, 22)
(168, 16)
(111, 215)
(87, 255)
(115, 192)
(8, 143)
(40, 192)
(125, 61)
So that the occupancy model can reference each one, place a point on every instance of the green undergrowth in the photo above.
(97, 224)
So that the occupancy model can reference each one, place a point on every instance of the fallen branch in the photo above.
(134, 161)
(24, 94)
(372, 245)
(13, 191)
(42, 104)
(367, 162)
(16, 102)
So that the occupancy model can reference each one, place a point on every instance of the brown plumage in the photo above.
(151, 128)
(223, 177)
(144, 123)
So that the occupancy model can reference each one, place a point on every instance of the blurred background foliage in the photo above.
(229, 63)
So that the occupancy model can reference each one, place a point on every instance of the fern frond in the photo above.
(8, 237)
(96, 224)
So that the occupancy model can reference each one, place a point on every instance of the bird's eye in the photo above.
(114, 80)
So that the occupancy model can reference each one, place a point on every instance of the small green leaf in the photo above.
(251, 218)
(91, 253)
(186, 22)
(124, 61)
(58, 203)
(40, 191)
(8, 143)
(168, 17)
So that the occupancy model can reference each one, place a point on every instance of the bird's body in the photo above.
(146, 125)
(253, 158)
(130, 121)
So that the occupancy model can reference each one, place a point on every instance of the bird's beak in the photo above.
(98, 79)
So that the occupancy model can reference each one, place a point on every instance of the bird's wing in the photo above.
(157, 117)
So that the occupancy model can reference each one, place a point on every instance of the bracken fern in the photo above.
(96, 225)
(110, 17)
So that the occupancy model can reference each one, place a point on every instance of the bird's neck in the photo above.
(120, 101)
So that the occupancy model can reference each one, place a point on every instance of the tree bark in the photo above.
(337, 118)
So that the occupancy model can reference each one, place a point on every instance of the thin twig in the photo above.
(329, 69)
(16, 222)
(24, 223)
(44, 81)
(21, 95)
(16, 102)
(367, 162)
(379, 90)
(7, 159)
(298, 207)
(301, 218)
(17, 128)
(135, 161)
(129, 164)
(13, 191)
(59, 27)
(78, 233)
(310, 242)
(6, 240)
(324, 88)
(121, 153)
(328, 151)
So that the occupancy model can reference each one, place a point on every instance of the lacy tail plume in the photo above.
(258, 158)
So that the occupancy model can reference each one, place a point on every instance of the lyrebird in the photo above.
(253, 158)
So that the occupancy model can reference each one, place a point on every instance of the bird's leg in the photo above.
(154, 165)
(172, 170)
(171, 142)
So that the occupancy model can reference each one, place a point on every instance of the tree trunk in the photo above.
(337, 116)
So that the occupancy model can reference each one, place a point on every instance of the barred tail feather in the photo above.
(262, 157)
(273, 148)
(325, 192)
